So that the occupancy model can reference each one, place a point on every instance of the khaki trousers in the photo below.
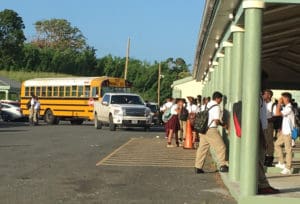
(287, 141)
(211, 138)
(35, 115)
(269, 134)
(262, 179)
(182, 131)
(31, 114)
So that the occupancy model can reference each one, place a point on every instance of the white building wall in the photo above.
(190, 88)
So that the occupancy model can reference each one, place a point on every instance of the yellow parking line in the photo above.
(115, 151)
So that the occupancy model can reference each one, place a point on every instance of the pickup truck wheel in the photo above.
(147, 128)
(112, 126)
(97, 123)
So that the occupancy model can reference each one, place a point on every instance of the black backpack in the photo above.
(184, 114)
(201, 121)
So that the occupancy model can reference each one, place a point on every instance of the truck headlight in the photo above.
(147, 112)
(118, 112)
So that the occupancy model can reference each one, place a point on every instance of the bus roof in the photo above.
(66, 81)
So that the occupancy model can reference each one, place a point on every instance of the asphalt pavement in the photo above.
(57, 164)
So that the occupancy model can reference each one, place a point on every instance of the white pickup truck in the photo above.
(121, 110)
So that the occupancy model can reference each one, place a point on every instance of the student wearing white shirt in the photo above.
(284, 137)
(212, 137)
(193, 109)
(164, 108)
(269, 132)
(36, 112)
(173, 124)
(31, 109)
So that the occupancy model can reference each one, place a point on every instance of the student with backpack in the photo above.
(211, 137)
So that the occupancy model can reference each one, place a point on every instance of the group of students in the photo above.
(276, 125)
(34, 107)
(280, 121)
(177, 112)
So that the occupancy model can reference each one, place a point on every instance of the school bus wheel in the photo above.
(49, 117)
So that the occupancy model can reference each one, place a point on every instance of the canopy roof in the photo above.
(280, 39)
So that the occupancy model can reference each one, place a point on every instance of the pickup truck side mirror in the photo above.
(105, 103)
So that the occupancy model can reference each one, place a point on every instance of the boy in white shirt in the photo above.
(284, 136)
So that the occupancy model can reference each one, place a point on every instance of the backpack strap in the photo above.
(208, 113)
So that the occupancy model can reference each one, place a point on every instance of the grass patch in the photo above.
(23, 75)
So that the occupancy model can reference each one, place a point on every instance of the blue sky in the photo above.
(158, 28)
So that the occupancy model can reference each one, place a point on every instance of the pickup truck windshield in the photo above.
(126, 99)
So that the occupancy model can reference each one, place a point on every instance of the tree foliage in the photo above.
(11, 38)
(59, 34)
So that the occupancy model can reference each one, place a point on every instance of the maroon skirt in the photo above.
(173, 123)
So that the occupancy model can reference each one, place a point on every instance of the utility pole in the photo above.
(127, 59)
(158, 84)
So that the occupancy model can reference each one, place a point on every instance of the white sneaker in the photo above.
(279, 165)
(293, 143)
(286, 171)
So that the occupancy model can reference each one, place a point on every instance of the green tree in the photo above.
(11, 39)
(59, 34)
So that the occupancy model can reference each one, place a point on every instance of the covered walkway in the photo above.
(238, 39)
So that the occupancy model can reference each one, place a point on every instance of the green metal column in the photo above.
(215, 68)
(227, 71)
(221, 71)
(236, 95)
(250, 96)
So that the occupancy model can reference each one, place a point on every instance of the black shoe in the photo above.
(224, 169)
(268, 190)
(199, 171)
(269, 161)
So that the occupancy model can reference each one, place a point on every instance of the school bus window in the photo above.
(43, 91)
(55, 91)
(49, 91)
(74, 90)
(27, 91)
(68, 91)
(80, 91)
(38, 91)
(61, 91)
(87, 90)
(95, 92)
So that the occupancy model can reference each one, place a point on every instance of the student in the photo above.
(167, 106)
(284, 136)
(31, 109)
(193, 110)
(36, 112)
(183, 117)
(173, 124)
(212, 137)
(269, 132)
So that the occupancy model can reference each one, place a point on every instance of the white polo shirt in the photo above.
(173, 109)
(269, 109)
(288, 119)
(213, 114)
(166, 106)
(192, 108)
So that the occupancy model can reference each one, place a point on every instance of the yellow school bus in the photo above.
(70, 98)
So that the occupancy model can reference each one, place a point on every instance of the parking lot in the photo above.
(57, 164)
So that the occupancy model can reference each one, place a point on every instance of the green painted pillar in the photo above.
(221, 71)
(227, 71)
(236, 95)
(215, 68)
(250, 96)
